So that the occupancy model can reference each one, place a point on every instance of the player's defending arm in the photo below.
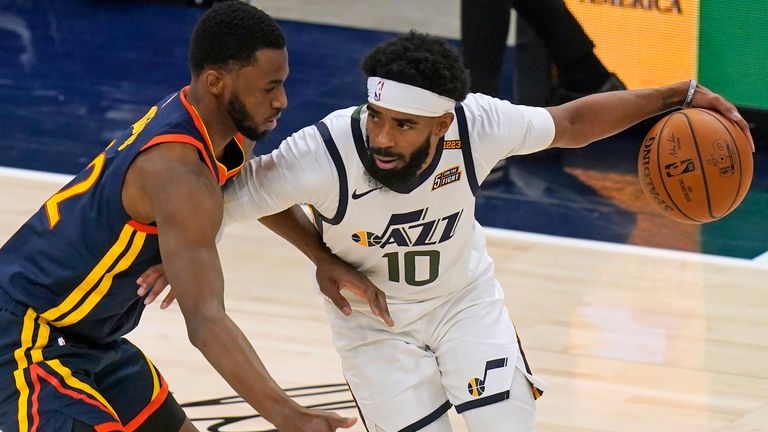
(601, 115)
(333, 274)
(185, 201)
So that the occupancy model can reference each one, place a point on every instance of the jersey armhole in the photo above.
(184, 139)
(466, 148)
(151, 228)
(338, 163)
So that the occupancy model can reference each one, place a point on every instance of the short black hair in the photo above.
(420, 60)
(229, 34)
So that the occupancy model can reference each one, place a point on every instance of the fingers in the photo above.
(336, 421)
(341, 303)
(729, 110)
(377, 300)
(719, 103)
(168, 300)
(744, 126)
(383, 309)
(157, 288)
(148, 278)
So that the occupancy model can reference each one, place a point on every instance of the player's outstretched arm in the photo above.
(601, 115)
(181, 196)
(333, 274)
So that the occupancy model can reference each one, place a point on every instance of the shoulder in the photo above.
(339, 116)
(489, 115)
(171, 165)
(169, 179)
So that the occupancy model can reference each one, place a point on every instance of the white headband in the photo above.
(407, 98)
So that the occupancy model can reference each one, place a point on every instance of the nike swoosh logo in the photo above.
(355, 195)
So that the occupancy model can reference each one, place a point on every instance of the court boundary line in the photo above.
(502, 233)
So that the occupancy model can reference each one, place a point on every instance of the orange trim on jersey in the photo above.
(138, 226)
(224, 174)
(109, 427)
(27, 331)
(196, 119)
(37, 370)
(35, 415)
(149, 409)
(231, 173)
(184, 139)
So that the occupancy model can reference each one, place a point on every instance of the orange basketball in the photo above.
(695, 165)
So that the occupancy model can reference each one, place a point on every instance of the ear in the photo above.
(214, 81)
(442, 124)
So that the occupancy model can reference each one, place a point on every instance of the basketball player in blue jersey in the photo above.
(68, 275)
(391, 185)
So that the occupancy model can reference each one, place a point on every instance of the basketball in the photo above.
(695, 165)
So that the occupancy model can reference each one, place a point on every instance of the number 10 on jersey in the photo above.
(410, 261)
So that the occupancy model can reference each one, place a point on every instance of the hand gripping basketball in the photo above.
(704, 98)
(695, 165)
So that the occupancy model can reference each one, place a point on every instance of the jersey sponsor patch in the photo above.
(452, 144)
(446, 177)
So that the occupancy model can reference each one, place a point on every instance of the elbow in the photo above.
(196, 336)
(201, 327)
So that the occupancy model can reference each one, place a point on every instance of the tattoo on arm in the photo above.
(669, 99)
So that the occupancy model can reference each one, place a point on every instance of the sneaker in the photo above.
(561, 95)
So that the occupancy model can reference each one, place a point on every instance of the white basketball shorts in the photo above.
(460, 350)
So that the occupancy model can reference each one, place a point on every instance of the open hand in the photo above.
(152, 283)
(334, 275)
(310, 420)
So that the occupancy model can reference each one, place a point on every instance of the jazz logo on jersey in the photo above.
(476, 386)
(448, 176)
(411, 229)
(366, 238)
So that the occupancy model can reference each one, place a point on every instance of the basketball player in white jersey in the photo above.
(391, 185)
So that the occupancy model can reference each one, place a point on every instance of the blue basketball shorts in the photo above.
(49, 381)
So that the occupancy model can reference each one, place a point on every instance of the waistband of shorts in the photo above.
(11, 305)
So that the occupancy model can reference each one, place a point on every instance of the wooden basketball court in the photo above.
(627, 338)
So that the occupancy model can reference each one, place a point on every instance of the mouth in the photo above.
(386, 162)
(272, 122)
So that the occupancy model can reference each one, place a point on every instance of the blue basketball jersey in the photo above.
(76, 260)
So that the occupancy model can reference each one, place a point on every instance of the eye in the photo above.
(372, 116)
(270, 89)
(403, 125)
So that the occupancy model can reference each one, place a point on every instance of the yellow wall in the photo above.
(646, 42)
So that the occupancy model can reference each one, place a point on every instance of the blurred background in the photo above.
(73, 73)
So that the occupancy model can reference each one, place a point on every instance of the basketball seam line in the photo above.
(701, 165)
(661, 176)
(738, 155)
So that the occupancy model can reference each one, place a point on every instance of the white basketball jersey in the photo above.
(416, 244)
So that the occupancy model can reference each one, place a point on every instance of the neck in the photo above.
(218, 125)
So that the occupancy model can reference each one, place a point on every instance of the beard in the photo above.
(402, 178)
(243, 121)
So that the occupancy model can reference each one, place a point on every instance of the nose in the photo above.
(384, 137)
(280, 102)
